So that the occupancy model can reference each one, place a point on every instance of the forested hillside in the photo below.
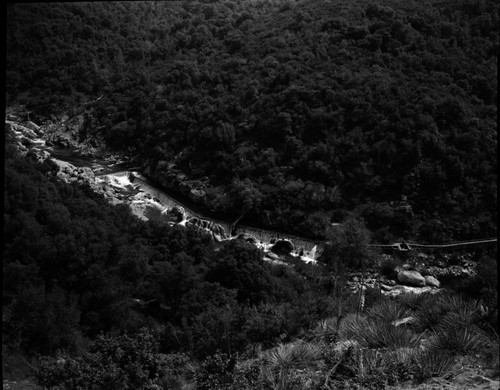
(97, 299)
(294, 114)
(291, 115)
(76, 266)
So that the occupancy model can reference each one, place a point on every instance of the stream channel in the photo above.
(148, 200)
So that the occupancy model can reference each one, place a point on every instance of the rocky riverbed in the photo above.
(104, 173)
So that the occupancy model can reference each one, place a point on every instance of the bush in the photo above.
(433, 363)
(458, 340)
(373, 334)
(281, 363)
(112, 363)
(222, 371)
(462, 308)
(388, 311)
(414, 301)
(375, 368)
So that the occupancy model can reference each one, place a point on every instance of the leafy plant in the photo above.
(327, 329)
(112, 363)
(463, 308)
(414, 301)
(458, 340)
(375, 368)
(372, 334)
(388, 311)
(281, 362)
(433, 363)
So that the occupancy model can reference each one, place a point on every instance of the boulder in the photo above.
(24, 130)
(386, 281)
(175, 214)
(398, 290)
(272, 256)
(39, 155)
(197, 196)
(86, 174)
(33, 126)
(432, 281)
(411, 278)
(63, 176)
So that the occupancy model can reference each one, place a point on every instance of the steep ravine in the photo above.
(112, 176)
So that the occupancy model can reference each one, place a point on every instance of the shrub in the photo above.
(464, 308)
(216, 372)
(388, 311)
(373, 334)
(375, 368)
(433, 363)
(112, 363)
(458, 340)
(414, 301)
(429, 315)
(327, 329)
(281, 362)
(223, 372)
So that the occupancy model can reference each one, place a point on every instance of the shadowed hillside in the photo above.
(296, 112)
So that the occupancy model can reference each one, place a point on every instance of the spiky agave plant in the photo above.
(371, 333)
(433, 363)
(458, 339)
(414, 301)
(281, 362)
(463, 309)
(327, 329)
(388, 311)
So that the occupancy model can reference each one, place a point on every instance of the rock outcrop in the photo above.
(432, 281)
(411, 278)
(196, 195)
(70, 173)
(399, 289)
(38, 155)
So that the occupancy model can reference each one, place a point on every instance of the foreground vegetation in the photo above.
(78, 272)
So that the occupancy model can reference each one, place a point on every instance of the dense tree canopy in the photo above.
(313, 106)
(75, 267)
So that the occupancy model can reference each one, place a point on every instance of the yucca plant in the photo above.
(464, 309)
(433, 364)
(281, 362)
(388, 311)
(375, 368)
(458, 339)
(429, 316)
(414, 301)
(372, 334)
(327, 329)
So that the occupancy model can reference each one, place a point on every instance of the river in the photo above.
(123, 183)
